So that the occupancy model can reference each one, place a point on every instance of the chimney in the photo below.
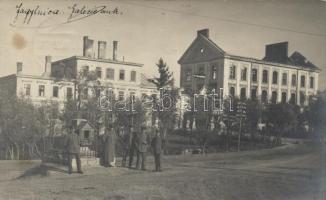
(277, 52)
(47, 69)
(19, 68)
(115, 46)
(88, 47)
(101, 49)
(203, 32)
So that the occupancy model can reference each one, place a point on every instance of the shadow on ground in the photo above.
(40, 170)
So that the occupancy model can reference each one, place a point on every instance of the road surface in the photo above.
(290, 172)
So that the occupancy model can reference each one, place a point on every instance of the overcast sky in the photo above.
(148, 30)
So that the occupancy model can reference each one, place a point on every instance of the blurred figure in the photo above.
(109, 147)
(72, 145)
(157, 145)
(126, 138)
(133, 146)
(142, 149)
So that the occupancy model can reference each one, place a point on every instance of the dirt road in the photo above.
(293, 172)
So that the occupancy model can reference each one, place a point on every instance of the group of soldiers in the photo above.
(132, 142)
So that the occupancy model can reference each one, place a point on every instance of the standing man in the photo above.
(72, 145)
(109, 147)
(157, 145)
(133, 147)
(142, 149)
(126, 144)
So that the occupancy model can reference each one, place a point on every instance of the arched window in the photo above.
(232, 91)
(294, 80)
(265, 76)
(292, 99)
(243, 93)
(264, 96)
(283, 97)
(254, 75)
(274, 97)
(284, 79)
(303, 81)
(275, 76)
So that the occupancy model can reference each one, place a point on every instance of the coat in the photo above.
(72, 143)
(142, 142)
(157, 144)
(109, 147)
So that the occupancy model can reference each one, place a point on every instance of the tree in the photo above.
(166, 77)
(317, 114)
(164, 84)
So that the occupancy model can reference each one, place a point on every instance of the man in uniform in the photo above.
(157, 145)
(126, 138)
(142, 149)
(133, 147)
(72, 145)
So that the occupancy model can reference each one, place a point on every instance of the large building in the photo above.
(56, 82)
(275, 78)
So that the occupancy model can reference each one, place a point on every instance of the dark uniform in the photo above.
(157, 145)
(126, 144)
(72, 145)
(133, 147)
(142, 150)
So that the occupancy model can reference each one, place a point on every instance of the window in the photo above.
(27, 89)
(232, 91)
(284, 79)
(265, 76)
(302, 98)
(232, 72)
(99, 72)
(55, 92)
(41, 89)
(188, 75)
(294, 80)
(254, 75)
(86, 134)
(122, 75)
(275, 76)
(201, 70)
(274, 97)
(254, 93)
(243, 93)
(244, 74)
(303, 81)
(292, 99)
(85, 70)
(121, 96)
(264, 96)
(133, 76)
(110, 73)
(214, 72)
(69, 93)
(132, 96)
(283, 97)
(311, 82)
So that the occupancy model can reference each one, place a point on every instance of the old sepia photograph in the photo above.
(162, 99)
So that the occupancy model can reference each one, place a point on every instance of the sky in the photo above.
(147, 30)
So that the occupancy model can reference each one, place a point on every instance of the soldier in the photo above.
(72, 145)
(133, 146)
(157, 145)
(126, 144)
(142, 149)
(109, 147)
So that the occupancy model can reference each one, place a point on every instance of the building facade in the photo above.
(56, 84)
(275, 78)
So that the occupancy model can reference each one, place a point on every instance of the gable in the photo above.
(202, 49)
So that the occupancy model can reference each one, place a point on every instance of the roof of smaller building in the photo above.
(99, 60)
(145, 83)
